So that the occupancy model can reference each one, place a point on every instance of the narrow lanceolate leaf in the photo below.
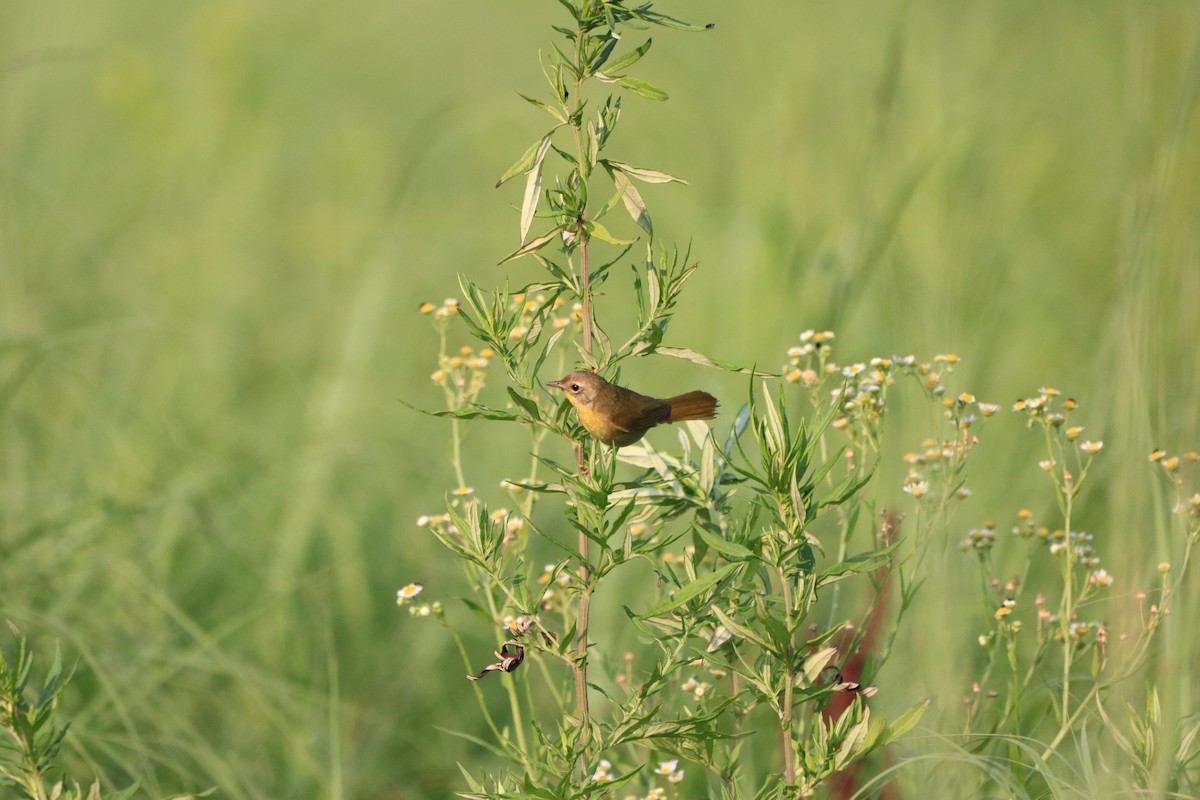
(471, 412)
(644, 175)
(595, 229)
(742, 631)
(852, 745)
(528, 405)
(905, 722)
(815, 664)
(533, 245)
(593, 145)
(533, 189)
(731, 550)
(863, 562)
(633, 201)
(523, 163)
(629, 59)
(691, 591)
(699, 358)
(544, 106)
(643, 88)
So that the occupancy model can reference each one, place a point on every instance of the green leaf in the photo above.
(742, 631)
(533, 245)
(472, 784)
(847, 488)
(477, 610)
(708, 459)
(629, 59)
(656, 18)
(533, 188)
(691, 590)
(642, 174)
(863, 562)
(805, 559)
(905, 722)
(473, 412)
(643, 88)
(816, 663)
(777, 431)
(724, 546)
(601, 56)
(698, 358)
(600, 232)
(557, 114)
(523, 163)
(486, 745)
(632, 199)
(852, 745)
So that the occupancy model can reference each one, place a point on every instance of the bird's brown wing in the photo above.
(637, 412)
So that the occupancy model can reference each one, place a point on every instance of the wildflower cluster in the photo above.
(517, 625)
(1052, 412)
(556, 580)
(1077, 545)
(535, 311)
(668, 770)
(943, 460)
(1049, 408)
(1075, 563)
(406, 595)
(1187, 506)
(1171, 464)
(939, 464)
(447, 309)
(463, 373)
(502, 518)
(980, 539)
(809, 362)
(862, 394)
(696, 688)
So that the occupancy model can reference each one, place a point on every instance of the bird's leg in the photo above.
(579, 459)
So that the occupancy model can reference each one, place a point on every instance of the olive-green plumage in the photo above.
(618, 416)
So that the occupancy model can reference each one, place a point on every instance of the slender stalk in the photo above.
(585, 577)
(785, 727)
(1066, 496)
(453, 401)
(586, 313)
(1068, 593)
(1067, 609)
(456, 450)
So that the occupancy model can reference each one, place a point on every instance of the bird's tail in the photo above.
(692, 405)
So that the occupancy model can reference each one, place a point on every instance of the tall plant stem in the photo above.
(785, 717)
(585, 280)
(1065, 495)
(585, 577)
(456, 451)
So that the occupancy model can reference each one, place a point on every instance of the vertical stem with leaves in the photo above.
(750, 571)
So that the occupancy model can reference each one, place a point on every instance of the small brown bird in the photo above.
(618, 416)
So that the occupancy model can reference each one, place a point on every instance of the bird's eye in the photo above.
(574, 387)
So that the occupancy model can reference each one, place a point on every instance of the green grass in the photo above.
(217, 220)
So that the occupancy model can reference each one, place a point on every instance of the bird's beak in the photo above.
(555, 384)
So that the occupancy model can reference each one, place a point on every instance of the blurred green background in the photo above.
(218, 218)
